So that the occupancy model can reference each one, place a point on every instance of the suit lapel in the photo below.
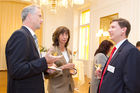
(116, 54)
(118, 51)
(24, 29)
(60, 53)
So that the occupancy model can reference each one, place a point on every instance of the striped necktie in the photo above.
(36, 42)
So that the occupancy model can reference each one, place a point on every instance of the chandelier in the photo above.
(53, 4)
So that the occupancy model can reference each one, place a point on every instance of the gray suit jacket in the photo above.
(99, 58)
(60, 82)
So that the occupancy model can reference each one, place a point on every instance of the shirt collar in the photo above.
(120, 43)
(31, 31)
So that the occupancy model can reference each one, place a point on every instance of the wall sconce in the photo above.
(102, 33)
(99, 33)
(106, 33)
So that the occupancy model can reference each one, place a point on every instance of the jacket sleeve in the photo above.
(101, 59)
(132, 72)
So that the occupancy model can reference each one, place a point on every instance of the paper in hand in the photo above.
(54, 68)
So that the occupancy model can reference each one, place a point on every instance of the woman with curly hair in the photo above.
(61, 81)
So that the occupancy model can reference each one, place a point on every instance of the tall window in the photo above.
(84, 35)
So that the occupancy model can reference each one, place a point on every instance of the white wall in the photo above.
(127, 9)
(63, 17)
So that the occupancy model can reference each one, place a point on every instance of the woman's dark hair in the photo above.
(104, 47)
(56, 34)
(138, 44)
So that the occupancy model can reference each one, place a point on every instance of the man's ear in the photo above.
(29, 16)
(124, 29)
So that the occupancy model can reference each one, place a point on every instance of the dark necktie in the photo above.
(106, 67)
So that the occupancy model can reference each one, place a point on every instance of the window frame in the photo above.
(86, 57)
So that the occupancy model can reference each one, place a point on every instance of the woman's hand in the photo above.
(73, 71)
(68, 66)
(98, 73)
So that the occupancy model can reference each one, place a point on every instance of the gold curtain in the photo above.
(10, 20)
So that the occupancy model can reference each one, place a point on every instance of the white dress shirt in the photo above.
(118, 45)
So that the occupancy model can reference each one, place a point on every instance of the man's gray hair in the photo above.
(29, 9)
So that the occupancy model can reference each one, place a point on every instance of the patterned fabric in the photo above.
(36, 42)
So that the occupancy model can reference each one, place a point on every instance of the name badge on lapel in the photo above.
(111, 68)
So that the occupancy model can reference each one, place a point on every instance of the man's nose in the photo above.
(109, 30)
(41, 20)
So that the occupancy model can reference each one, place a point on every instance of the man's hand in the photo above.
(51, 59)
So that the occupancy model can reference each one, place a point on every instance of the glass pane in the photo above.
(85, 17)
(87, 41)
(84, 35)
(80, 19)
(84, 43)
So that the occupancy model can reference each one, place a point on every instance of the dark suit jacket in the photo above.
(24, 65)
(126, 76)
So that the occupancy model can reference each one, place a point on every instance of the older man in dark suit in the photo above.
(121, 73)
(24, 64)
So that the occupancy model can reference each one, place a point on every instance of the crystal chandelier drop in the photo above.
(53, 4)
